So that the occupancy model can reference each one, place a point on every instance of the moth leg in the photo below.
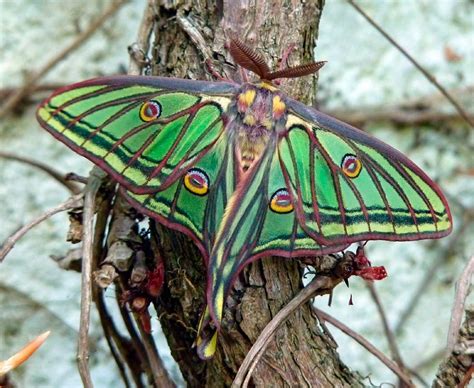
(214, 73)
(283, 61)
(244, 75)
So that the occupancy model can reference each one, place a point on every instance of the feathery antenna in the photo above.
(251, 60)
(248, 58)
(297, 71)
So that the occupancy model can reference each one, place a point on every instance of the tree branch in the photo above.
(61, 178)
(10, 242)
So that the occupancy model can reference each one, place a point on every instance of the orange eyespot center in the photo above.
(197, 181)
(281, 201)
(351, 166)
(150, 110)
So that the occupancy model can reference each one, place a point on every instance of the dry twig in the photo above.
(159, 372)
(428, 277)
(425, 109)
(95, 180)
(7, 92)
(425, 72)
(118, 344)
(10, 242)
(463, 287)
(401, 115)
(366, 344)
(61, 178)
(33, 79)
(142, 44)
(392, 343)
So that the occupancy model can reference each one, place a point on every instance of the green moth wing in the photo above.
(195, 203)
(318, 186)
(176, 148)
(144, 131)
(351, 187)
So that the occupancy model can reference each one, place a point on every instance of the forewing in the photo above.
(195, 211)
(144, 131)
(349, 186)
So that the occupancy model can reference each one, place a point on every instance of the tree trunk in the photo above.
(301, 354)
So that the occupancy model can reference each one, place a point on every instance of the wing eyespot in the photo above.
(196, 181)
(351, 166)
(280, 201)
(150, 110)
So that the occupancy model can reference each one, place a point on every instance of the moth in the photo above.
(244, 170)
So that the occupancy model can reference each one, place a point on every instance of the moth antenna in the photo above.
(248, 58)
(297, 71)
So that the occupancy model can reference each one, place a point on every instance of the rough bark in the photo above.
(301, 354)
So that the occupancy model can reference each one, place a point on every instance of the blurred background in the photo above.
(366, 82)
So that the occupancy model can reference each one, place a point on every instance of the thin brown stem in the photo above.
(140, 48)
(392, 343)
(135, 341)
(425, 72)
(436, 264)
(95, 180)
(10, 242)
(114, 339)
(7, 92)
(61, 178)
(463, 286)
(159, 373)
(396, 115)
(366, 344)
(112, 335)
(13, 100)
(128, 321)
